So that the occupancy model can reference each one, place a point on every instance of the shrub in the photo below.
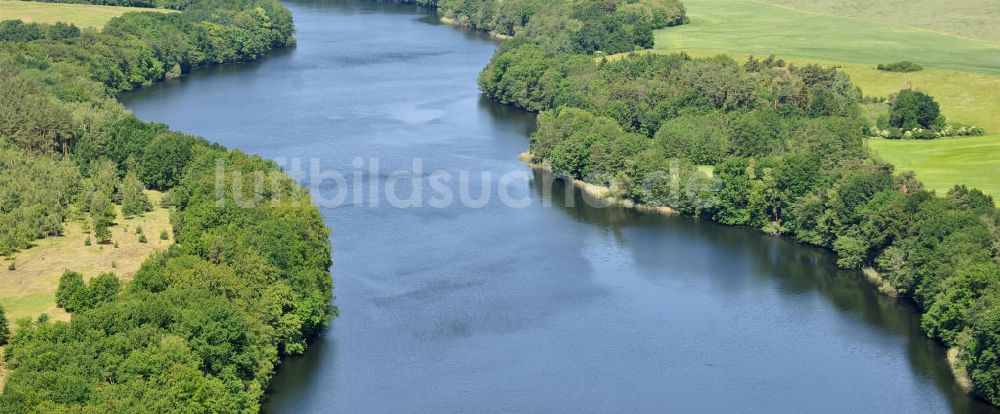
(164, 235)
(12, 266)
(142, 238)
(167, 200)
(904, 66)
(921, 134)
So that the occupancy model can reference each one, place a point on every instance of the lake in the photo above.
(546, 304)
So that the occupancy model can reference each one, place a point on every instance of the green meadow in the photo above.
(82, 15)
(975, 19)
(962, 61)
(748, 27)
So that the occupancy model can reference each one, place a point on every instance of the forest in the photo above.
(202, 326)
(787, 148)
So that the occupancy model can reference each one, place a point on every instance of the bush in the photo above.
(164, 235)
(142, 238)
(904, 66)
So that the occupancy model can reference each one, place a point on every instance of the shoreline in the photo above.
(454, 22)
(961, 374)
(599, 192)
(953, 354)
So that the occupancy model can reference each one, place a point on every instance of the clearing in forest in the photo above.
(29, 290)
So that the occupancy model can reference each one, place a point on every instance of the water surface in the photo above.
(561, 309)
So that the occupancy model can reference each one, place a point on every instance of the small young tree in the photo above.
(102, 213)
(134, 199)
(164, 235)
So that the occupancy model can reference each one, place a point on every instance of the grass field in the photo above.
(968, 18)
(748, 27)
(82, 15)
(29, 290)
(943, 163)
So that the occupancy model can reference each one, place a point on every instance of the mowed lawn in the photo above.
(748, 27)
(943, 163)
(82, 15)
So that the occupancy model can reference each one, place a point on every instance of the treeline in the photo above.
(574, 26)
(202, 326)
(787, 148)
(138, 48)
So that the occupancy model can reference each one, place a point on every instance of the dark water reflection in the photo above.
(540, 309)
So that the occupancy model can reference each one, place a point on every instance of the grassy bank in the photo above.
(82, 15)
